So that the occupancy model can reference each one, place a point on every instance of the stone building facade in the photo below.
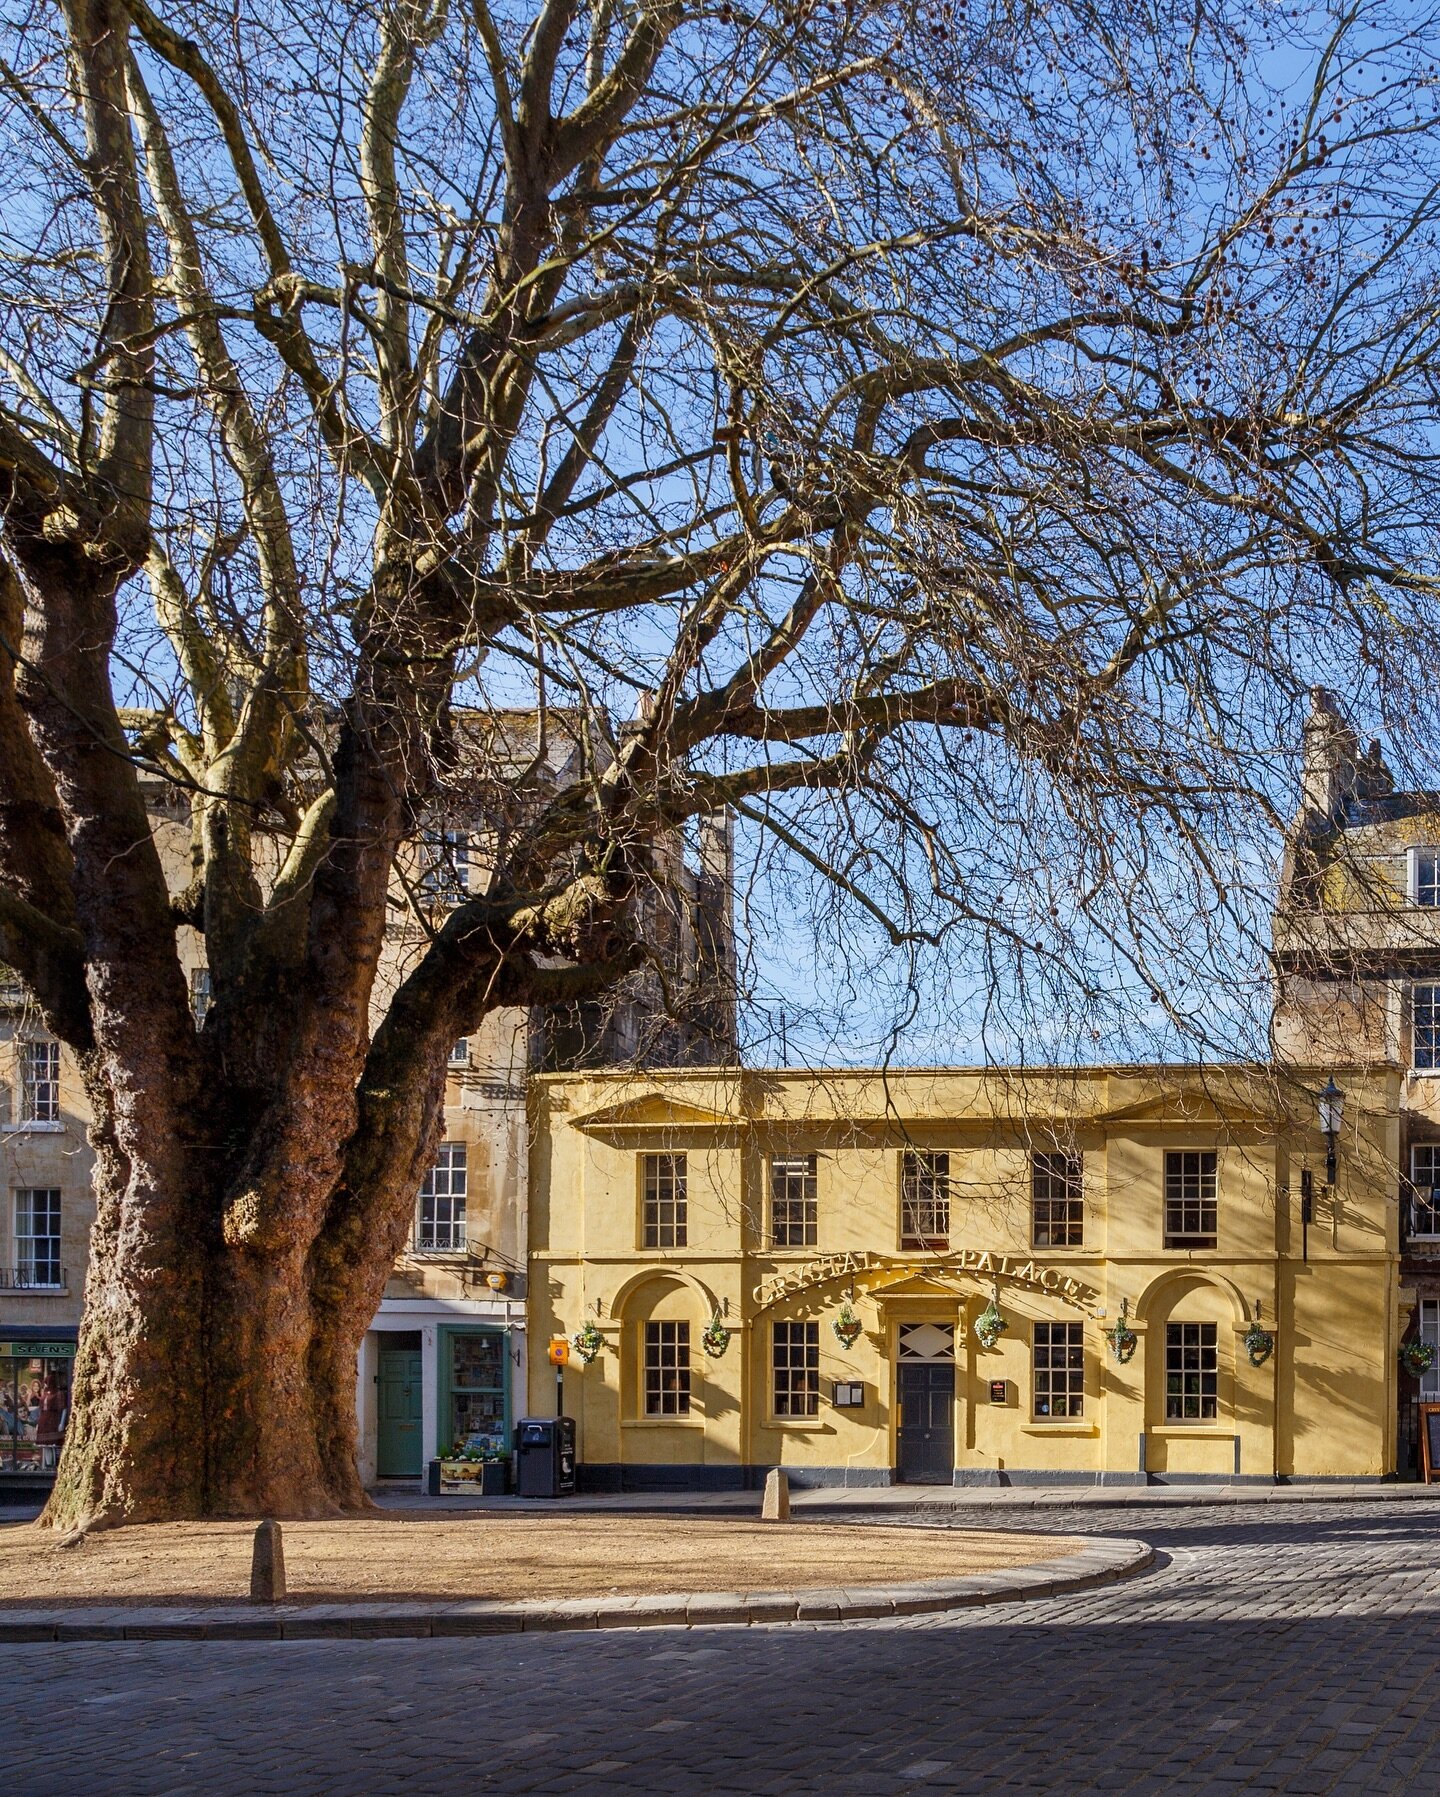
(1357, 952)
(952, 1275)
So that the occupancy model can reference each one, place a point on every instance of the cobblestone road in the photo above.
(1293, 1650)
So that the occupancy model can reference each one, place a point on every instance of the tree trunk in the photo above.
(221, 1385)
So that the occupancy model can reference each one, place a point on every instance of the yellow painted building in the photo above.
(1069, 1275)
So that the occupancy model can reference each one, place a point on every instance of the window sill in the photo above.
(800, 1424)
(1194, 1431)
(32, 1129)
(34, 1291)
(665, 1422)
(1205, 1247)
(1061, 1426)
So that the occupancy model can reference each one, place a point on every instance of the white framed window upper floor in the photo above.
(444, 866)
(794, 1203)
(39, 1093)
(664, 1201)
(1425, 1026)
(444, 1196)
(37, 1240)
(1425, 1191)
(1423, 877)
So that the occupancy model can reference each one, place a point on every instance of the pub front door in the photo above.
(925, 1399)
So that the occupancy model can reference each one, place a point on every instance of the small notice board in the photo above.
(1430, 1443)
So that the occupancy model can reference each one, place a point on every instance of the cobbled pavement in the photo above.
(1292, 1649)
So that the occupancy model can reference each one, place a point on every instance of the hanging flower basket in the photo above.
(1259, 1344)
(1417, 1358)
(1122, 1338)
(716, 1338)
(587, 1343)
(847, 1326)
(989, 1326)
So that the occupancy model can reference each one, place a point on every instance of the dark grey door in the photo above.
(927, 1421)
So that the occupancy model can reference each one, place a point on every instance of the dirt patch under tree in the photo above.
(493, 1556)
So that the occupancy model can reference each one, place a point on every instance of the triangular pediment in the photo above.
(1183, 1108)
(653, 1111)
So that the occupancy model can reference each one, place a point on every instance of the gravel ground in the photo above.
(489, 1556)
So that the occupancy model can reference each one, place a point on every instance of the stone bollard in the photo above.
(776, 1507)
(267, 1564)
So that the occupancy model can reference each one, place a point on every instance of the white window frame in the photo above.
(36, 1109)
(1199, 1378)
(665, 1200)
(794, 1201)
(1431, 1065)
(795, 1370)
(1057, 1377)
(1191, 1193)
(666, 1370)
(444, 866)
(1425, 1190)
(460, 1052)
(1430, 1332)
(26, 1260)
(444, 1195)
(202, 995)
(1057, 1199)
(1414, 885)
(924, 1200)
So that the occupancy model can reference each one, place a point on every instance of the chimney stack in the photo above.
(1331, 754)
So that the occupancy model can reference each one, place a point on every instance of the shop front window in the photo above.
(34, 1404)
(474, 1367)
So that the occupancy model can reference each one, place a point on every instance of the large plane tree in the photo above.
(948, 436)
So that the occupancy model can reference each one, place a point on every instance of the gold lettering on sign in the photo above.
(829, 1267)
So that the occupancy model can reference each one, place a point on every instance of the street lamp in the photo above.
(1332, 1108)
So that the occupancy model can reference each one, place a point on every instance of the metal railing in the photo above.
(33, 1279)
(445, 1241)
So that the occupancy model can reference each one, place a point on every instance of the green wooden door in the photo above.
(398, 1449)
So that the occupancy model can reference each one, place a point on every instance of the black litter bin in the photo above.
(545, 1456)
